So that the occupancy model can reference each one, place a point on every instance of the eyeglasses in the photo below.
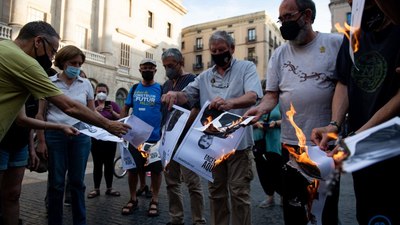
(53, 50)
(170, 66)
(288, 16)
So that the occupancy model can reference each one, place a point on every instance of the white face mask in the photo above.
(101, 96)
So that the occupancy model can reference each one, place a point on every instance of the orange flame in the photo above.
(302, 155)
(339, 156)
(333, 135)
(299, 133)
(345, 30)
(209, 120)
(143, 152)
(223, 158)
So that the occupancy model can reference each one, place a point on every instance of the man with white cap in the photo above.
(145, 100)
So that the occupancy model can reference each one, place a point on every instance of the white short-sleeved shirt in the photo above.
(304, 77)
(239, 79)
(80, 90)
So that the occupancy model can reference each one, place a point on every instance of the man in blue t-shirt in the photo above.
(145, 100)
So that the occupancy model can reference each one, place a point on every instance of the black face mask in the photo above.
(172, 73)
(147, 75)
(372, 19)
(43, 60)
(222, 59)
(290, 29)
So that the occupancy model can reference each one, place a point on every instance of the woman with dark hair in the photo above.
(103, 152)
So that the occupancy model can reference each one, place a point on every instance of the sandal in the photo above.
(129, 207)
(153, 209)
(94, 193)
(139, 192)
(112, 192)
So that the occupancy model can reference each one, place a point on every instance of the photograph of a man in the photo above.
(222, 122)
(205, 141)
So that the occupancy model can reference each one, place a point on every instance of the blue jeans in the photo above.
(67, 154)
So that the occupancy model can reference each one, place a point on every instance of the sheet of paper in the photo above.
(199, 151)
(139, 133)
(96, 132)
(373, 145)
(171, 132)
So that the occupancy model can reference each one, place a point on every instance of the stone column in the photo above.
(69, 24)
(108, 29)
(19, 11)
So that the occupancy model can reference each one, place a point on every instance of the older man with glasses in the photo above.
(301, 73)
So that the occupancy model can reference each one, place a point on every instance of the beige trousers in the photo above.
(173, 178)
(232, 179)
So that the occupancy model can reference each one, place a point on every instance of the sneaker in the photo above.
(270, 201)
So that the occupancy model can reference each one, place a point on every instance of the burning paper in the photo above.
(372, 145)
(224, 124)
(316, 167)
(202, 151)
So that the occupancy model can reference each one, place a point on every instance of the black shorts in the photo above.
(140, 161)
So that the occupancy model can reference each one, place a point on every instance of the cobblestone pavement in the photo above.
(106, 210)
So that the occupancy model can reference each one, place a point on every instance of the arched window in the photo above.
(120, 97)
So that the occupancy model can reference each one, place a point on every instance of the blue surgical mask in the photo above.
(72, 72)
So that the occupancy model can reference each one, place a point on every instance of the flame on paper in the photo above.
(223, 158)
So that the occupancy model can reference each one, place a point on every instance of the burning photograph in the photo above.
(219, 123)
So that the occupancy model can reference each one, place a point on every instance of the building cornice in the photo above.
(176, 5)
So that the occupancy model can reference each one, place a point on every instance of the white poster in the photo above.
(171, 133)
(202, 147)
(139, 133)
(372, 145)
(126, 157)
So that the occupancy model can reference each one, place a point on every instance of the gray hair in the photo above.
(36, 28)
(172, 52)
(307, 4)
(222, 36)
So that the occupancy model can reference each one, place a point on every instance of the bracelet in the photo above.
(334, 123)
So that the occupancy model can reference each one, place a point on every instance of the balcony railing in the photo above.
(91, 56)
(5, 32)
(254, 59)
(198, 66)
(197, 48)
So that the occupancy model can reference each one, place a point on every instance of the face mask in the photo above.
(72, 71)
(290, 29)
(147, 75)
(101, 96)
(372, 19)
(172, 73)
(222, 59)
(43, 60)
